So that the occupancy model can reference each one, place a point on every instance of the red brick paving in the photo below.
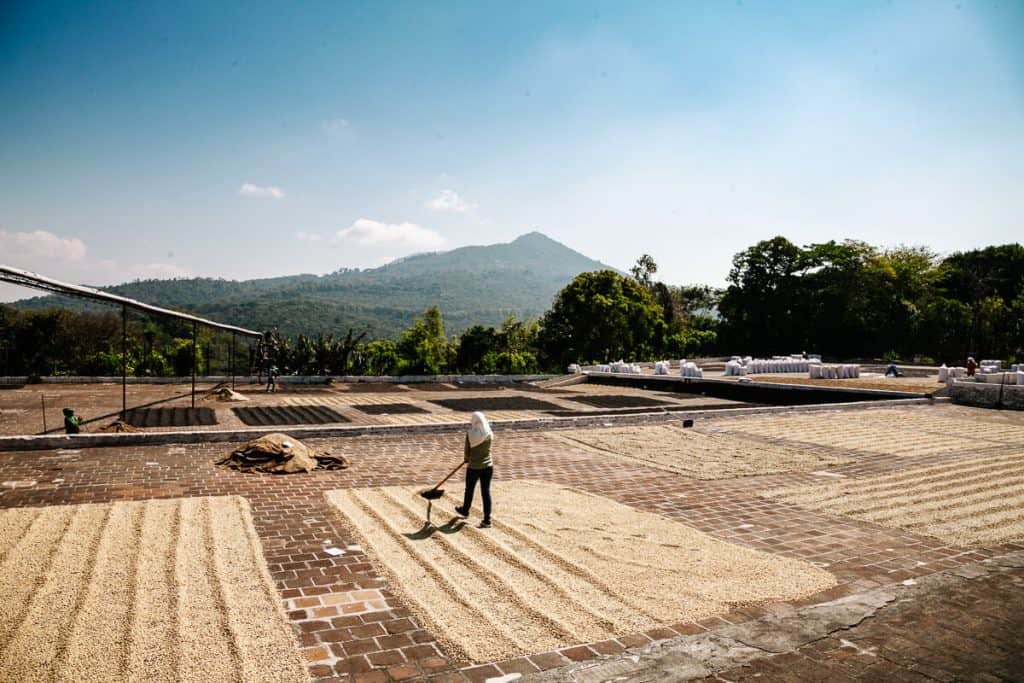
(350, 624)
(968, 631)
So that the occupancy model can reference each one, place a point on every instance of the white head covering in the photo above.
(479, 430)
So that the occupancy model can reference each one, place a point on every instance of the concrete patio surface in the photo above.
(906, 606)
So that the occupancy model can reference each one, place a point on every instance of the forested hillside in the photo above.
(478, 285)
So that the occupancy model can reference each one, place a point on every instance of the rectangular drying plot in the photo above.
(618, 401)
(559, 567)
(171, 417)
(964, 501)
(157, 590)
(388, 408)
(904, 432)
(265, 416)
(693, 453)
(485, 403)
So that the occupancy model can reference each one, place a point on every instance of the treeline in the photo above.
(853, 300)
(843, 300)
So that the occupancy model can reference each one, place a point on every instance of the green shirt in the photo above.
(479, 456)
(71, 424)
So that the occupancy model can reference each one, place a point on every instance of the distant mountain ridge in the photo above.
(472, 285)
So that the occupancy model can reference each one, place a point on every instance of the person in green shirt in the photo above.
(480, 467)
(72, 423)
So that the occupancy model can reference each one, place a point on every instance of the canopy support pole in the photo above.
(124, 362)
(194, 356)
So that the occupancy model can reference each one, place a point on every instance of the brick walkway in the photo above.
(963, 630)
(352, 627)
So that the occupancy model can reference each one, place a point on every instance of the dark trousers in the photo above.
(484, 477)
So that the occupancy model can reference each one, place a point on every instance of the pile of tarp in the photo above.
(280, 454)
(119, 427)
(223, 392)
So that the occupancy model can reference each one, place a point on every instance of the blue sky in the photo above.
(251, 140)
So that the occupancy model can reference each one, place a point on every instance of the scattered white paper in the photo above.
(910, 582)
(334, 552)
(19, 484)
(507, 678)
(354, 548)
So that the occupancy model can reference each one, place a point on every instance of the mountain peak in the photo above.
(532, 236)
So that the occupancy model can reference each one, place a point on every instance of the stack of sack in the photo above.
(689, 369)
(949, 374)
(602, 368)
(843, 371)
(625, 368)
(662, 367)
(989, 366)
(734, 368)
(574, 369)
(778, 364)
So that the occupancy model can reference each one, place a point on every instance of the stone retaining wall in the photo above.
(984, 395)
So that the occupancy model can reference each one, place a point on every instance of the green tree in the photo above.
(424, 347)
(761, 307)
(381, 358)
(601, 316)
(474, 345)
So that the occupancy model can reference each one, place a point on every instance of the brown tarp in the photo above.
(280, 454)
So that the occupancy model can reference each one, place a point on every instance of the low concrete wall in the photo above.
(984, 395)
(49, 442)
(292, 379)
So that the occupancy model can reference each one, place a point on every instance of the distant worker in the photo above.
(972, 365)
(272, 379)
(477, 453)
(892, 371)
(72, 423)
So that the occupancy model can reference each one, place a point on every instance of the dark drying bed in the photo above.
(653, 409)
(431, 386)
(388, 408)
(288, 415)
(469, 405)
(170, 417)
(612, 401)
(373, 388)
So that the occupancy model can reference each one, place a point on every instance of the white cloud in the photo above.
(337, 127)
(68, 259)
(39, 244)
(368, 232)
(303, 236)
(448, 201)
(250, 190)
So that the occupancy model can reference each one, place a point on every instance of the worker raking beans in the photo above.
(480, 467)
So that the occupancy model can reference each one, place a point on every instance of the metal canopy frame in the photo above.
(32, 280)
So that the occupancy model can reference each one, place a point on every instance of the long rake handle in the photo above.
(450, 474)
